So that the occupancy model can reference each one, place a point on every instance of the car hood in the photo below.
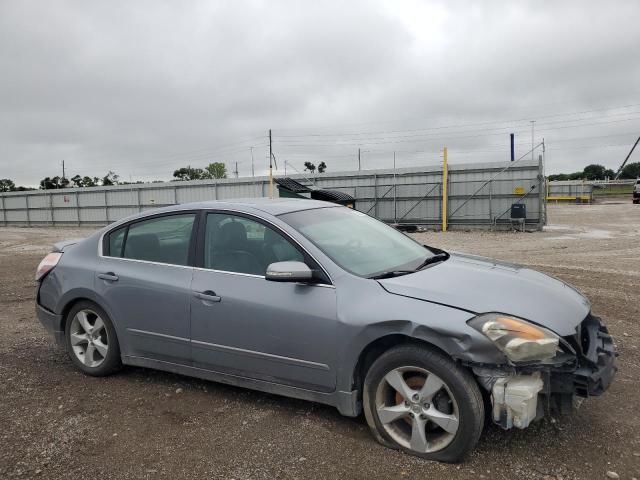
(482, 285)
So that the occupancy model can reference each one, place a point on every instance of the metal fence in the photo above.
(480, 195)
(576, 191)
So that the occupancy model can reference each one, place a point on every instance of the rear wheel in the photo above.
(91, 340)
(419, 401)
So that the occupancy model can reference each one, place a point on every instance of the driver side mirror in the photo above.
(289, 272)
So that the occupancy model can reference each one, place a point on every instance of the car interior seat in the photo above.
(231, 252)
(144, 246)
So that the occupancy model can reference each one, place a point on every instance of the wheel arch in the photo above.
(377, 347)
(73, 297)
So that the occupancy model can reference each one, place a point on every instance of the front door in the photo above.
(144, 280)
(245, 325)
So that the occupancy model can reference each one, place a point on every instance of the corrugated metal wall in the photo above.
(479, 195)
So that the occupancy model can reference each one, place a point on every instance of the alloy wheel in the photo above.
(89, 338)
(417, 409)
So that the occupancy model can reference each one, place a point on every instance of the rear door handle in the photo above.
(208, 296)
(109, 276)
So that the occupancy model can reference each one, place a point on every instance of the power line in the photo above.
(189, 153)
(528, 109)
(424, 137)
(452, 135)
(492, 122)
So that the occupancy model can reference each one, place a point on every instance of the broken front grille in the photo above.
(596, 357)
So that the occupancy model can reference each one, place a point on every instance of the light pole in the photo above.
(532, 136)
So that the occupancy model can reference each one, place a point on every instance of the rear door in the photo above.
(144, 280)
(245, 325)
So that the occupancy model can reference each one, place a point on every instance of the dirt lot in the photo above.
(58, 423)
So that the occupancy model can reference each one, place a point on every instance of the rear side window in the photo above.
(162, 239)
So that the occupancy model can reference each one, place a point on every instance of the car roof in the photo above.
(275, 206)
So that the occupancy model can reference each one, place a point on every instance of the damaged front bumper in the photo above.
(585, 367)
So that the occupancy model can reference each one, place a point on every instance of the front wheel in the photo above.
(419, 401)
(91, 340)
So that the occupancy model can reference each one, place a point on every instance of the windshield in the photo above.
(357, 242)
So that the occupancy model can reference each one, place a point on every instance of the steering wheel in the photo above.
(252, 262)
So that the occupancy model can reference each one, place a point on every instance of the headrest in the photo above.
(144, 246)
(231, 235)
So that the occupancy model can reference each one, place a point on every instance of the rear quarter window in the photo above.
(116, 242)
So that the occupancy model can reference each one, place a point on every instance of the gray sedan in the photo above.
(320, 302)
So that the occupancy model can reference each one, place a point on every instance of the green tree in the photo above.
(631, 170)
(48, 183)
(322, 167)
(110, 178)
(77, 181)
(188, 173)
(215, 170)
(87, 181)
(7, 185)
(309, 166)
(594, 172)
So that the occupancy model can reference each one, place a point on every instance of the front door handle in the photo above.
(109, 276)
(208, 296)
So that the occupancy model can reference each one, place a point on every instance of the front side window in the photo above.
(238, 244)
(161, 239)
(357, 242)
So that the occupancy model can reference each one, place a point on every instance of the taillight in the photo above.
(47, 264)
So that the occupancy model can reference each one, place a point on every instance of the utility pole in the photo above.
(513, 146)
(359, 160)
(532, 136)
(619, 172)
(445, 174)
(253, 173)
(270, 166)
(395, 191)
(236, 170)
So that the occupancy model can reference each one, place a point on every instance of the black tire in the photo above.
(110, 363)
(459, 384)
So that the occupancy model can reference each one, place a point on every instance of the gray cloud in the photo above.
(145, 87)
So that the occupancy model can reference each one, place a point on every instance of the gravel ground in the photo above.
(57, 423)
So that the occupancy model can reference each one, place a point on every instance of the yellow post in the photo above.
(546, 183)
(444, 189)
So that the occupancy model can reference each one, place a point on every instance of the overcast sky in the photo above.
(144, 87)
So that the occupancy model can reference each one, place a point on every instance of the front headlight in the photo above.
(518, 339)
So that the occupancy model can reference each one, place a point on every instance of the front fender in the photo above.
(368, 318)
